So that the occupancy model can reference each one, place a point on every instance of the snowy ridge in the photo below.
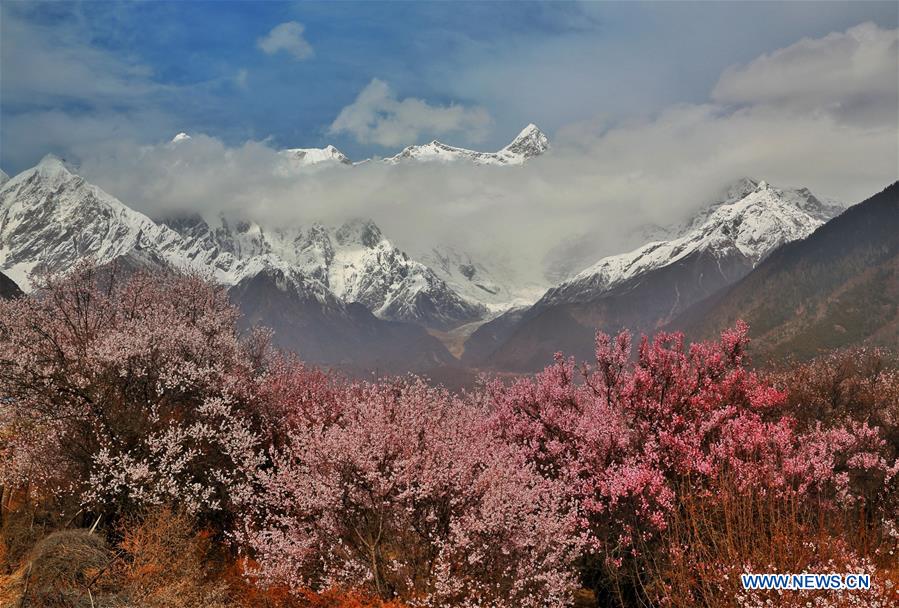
(304, 157)
(529, 143)
(752, 221)
(354, 262)
(488, 281)
(50, 218)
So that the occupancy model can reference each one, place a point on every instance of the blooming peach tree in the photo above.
(622, 438)
(126, 392)
(396, 488)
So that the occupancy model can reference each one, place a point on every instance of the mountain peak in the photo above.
(531, 130)
(182, 136)
(529, 143)
(302, 157)
(53, 167)
(739, 189)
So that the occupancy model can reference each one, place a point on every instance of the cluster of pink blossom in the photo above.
(622, 437)
(125, 393)
(395, 487)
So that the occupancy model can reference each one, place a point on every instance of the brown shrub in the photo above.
(860, 384)
(250, 595)
(713, 539)
(166, 563)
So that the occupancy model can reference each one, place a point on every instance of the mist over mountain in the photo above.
(645, 288)
(484, 258)
(338, 295)
(346, 295)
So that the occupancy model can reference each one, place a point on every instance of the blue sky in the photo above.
(144, 71)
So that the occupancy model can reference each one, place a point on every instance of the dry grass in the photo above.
(715, 538)
(60, 571)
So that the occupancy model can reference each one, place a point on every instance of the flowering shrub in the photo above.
(126, 392)
(395, 489)
(624, 439)
(657, 476)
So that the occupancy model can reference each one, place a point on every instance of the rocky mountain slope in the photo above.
(649, 286)
(51, 218)
(8, 288)
(837, 287)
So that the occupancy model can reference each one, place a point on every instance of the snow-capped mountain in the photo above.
(753, 220)
(646, 288)
(578, 252)
(3, 177)
(529, 143)
(304, 157)
(837, 288)
(50, 218)
(354, 261)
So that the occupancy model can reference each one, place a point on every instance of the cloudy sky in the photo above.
(650, 107)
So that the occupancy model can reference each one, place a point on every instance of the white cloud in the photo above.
(287, 37)
(600, 179)
(378, 116)
(240, 79)
(49, 64)
(851, 74)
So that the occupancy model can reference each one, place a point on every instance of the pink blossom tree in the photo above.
(395, 488)
(622, 438)
(127, 392)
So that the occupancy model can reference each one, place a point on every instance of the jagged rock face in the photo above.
(529, 143)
